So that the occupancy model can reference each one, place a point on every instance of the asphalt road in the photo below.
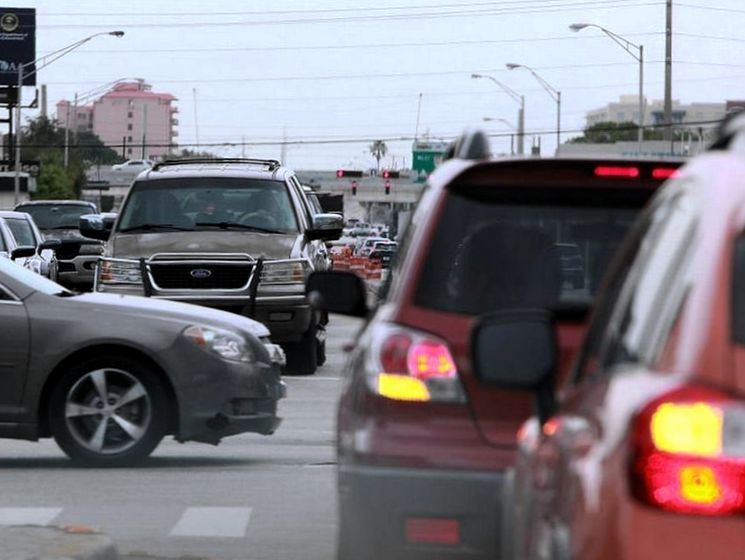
(250, 498)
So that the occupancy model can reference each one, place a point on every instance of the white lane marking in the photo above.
(312, 378)
(28, 515)
(212, 522)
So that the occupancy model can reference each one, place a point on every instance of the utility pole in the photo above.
(144, 128)
(196, 117)
(418, 114)
(668, 131)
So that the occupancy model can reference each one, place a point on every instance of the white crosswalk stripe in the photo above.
(216, 522)
(28, 515)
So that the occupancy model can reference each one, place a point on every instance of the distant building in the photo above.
(627, 109)
(127, 117)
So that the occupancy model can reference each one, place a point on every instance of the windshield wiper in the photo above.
(228, 225)
(152, 227)
(65, 293)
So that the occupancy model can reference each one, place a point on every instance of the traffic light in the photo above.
(388, 174)
(347, 173)
(387, 186)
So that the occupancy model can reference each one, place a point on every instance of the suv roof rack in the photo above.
(271, 164)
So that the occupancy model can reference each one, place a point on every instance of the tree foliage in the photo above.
(186, 153)
(378, 149)
(44, 140)
(610, 132)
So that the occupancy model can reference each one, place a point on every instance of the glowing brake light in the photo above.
(689, 453)
(618, 171)
(412, 366)
(664, 173)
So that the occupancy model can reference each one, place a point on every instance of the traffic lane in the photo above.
(252, 497)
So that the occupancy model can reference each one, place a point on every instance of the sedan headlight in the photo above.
(284, 272)
(226, 344)
(119, 272)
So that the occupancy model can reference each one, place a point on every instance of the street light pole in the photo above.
(552, 91)
(521, 112)
(55, 55)
(626, 45)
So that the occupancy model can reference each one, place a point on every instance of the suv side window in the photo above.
(648, 286)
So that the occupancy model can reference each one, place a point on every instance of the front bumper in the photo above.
(217, 398)
(78, 271)
(375, 503)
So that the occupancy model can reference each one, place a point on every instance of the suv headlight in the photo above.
(119, 272)
(284, 272)
(226, 344)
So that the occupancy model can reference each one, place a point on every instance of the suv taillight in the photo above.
(689, 452)
(408, 365)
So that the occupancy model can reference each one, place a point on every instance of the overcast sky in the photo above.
(335, 70)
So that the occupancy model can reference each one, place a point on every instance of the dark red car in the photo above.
(422, 443)
(641, 455)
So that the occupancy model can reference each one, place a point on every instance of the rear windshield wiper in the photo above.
(151, 227)
(227, 225)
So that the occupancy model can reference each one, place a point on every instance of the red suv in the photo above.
(422, 443)
(643, 457)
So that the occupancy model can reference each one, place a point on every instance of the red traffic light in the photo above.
(388, 174)
(347, 173)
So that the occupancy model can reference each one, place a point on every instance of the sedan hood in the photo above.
(267, 245)
(134, 308)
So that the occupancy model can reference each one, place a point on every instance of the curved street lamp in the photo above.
(509, 125)
(520, 99)
(46, 60)
(551, 90)
(637, 52)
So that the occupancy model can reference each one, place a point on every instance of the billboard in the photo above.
(17, 45)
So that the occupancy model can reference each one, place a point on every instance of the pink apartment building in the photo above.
(127, 117)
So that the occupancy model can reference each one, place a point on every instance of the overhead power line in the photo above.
(546, 8)
(573, 37)
(305, 11)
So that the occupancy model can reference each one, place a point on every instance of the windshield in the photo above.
(31, 279)
(22, 232)
(62, 216)
(205, 204)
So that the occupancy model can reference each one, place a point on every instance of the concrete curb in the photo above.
(29, 542)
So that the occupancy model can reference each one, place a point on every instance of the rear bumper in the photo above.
(375, 502)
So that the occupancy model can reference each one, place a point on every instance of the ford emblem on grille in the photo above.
(200, 273)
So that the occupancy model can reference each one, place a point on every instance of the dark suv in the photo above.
(77, 256)
(423, 444)
(233, 234)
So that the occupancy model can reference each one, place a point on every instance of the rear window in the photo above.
(529, 247)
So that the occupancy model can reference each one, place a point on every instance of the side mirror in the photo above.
(327, 227)
(517, 349)
(52, 244)
(338, 292)
(97, 226)
(22, 252)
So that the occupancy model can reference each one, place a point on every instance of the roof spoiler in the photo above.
(270, 164)
(472, 144)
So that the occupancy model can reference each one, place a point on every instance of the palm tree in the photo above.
(378, 149)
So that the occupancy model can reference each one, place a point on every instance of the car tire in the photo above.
(320, 353)
(122, 433)
(302, 357)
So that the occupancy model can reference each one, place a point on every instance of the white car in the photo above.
(133, 165)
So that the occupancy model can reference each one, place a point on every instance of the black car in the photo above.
(77, 256)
